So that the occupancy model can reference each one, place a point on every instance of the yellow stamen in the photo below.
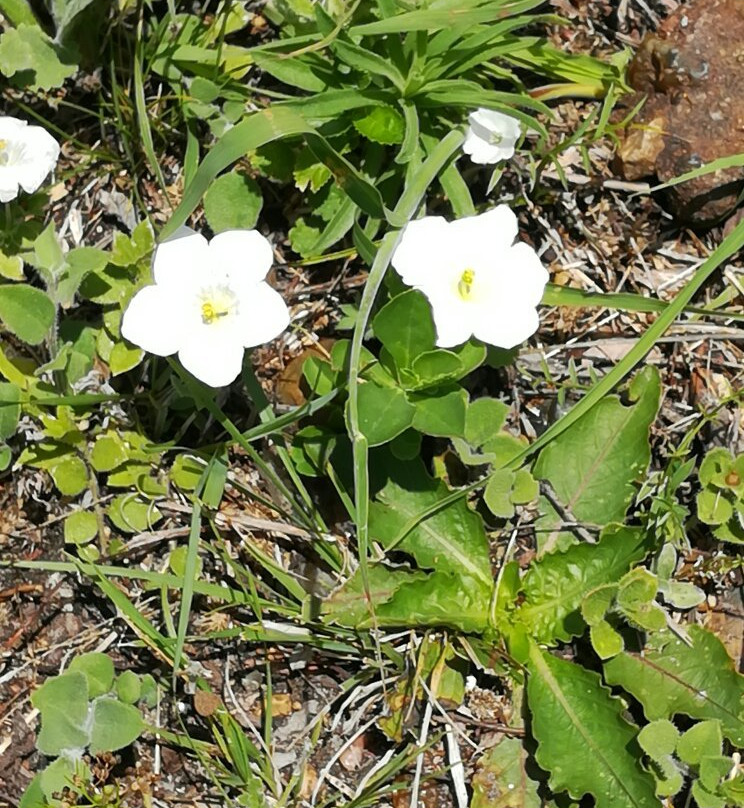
(465, 284)
(210, 314)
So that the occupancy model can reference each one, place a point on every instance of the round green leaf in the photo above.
(124, 357)
(605, 640)
(186, 471)
(70, 475)
(98, 670)
(80, 527)
(63, 704)
(128, 687)
(659, 738)
(108, 453)
(497, 495)
(115, 725)
(232, 202)
(131, 515)
(26, 311)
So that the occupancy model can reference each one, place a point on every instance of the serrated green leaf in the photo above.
(384, 412)
(583, 741)
(382, 125)
(438, 599)
(501, 779)
(556, 584)
(115, 725)
(594, 464)
(80, 527)
(671, 677)
(451, 540)
(233, 202)
(27, 53)
(98, 670)
(63, 704)
(26, 311)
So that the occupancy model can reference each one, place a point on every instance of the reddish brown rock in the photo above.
(692, 72)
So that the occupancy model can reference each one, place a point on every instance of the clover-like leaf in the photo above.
(115, 725)
(30, 56)
(63, 704)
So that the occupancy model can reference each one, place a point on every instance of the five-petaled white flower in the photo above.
(209, 302)
(27, 155)
(491, 136)
(478, 281)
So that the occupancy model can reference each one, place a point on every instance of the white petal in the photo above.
(263, 315)
(483, 153)
(424, 251)
(181, 260)
(11, 127)
(8, 184)
(527, 275)
(38, 157)
(242, 254)
(505, 125)
(212, 358)
(481, 240)
(155, 322)
(452, 318)
(507, 327)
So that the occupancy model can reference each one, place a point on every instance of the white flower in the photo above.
(27, 155)
(491, 136)
(478, 281)
(208, 304)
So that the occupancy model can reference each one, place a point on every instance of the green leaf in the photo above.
(70, 475)
(10, 409)
(497, 494)
(441, 412)
(659, 738)
(124, 357)
(451, 540)
(187, 470)
(128, 687)
(605, 640)
(671, 677)
(98, 670)
(80, 527)
(115, 725)
(348, 605)
(26, 311)
(63, 704)
(501, 779)
(30, 55)
(60, 774)
(11, 267)
(232, 202)
(484, 420)
(382, 125)
(583, 740)
(702, 740)
(131, 515)
(556, 584)
(384, 412)
(108, 452)
(439, 599)
(405, 327)
(593, 465)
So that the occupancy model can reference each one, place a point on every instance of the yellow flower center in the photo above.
(465, 284)
(495, 138)
(210, 313)
(4, 156)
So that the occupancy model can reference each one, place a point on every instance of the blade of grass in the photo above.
(405, 210)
